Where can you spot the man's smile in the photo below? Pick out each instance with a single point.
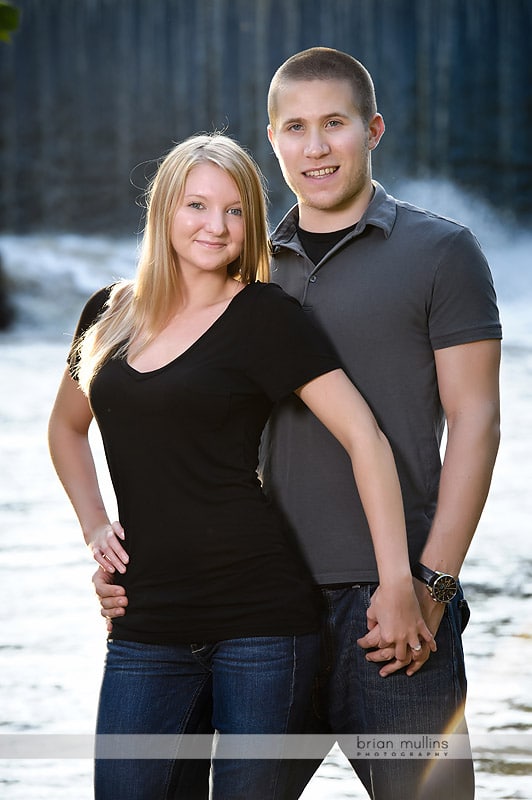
(320, 173)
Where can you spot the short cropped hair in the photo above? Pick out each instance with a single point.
(325, 64)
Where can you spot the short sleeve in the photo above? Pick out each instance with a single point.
(90, 313)
(287, 349)
(464, 304)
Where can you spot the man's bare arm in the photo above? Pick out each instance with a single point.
(468, 380)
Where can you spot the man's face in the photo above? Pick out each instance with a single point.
(323, 148)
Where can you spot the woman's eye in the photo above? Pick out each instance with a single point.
(237, 212)
(195, 204)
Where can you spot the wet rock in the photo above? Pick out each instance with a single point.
(6, 309)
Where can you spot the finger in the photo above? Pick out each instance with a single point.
(384, 654)
(402, 652)
(419, 657)
(113, 544)
(104, 584)
(392, 666)
(114, 560)
(110, 592)
(428, 637)
(417, 662)
(371, 618)
(118, 529)
(111, 613)
(115, 552)
(369, 640)
(105, 562)
(109, 603)
(111, 560)
(415, 666)
(374, 638)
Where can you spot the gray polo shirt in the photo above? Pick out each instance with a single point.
(403, 283)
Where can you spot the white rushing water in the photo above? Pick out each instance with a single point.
(51, 636)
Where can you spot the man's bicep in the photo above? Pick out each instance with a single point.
(468, 375)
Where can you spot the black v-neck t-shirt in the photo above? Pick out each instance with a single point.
(210, 557)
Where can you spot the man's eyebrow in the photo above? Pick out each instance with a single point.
(329, 114)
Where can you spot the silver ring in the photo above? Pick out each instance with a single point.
(104, 555)
(417, 648)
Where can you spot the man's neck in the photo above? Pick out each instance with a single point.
(326, 220)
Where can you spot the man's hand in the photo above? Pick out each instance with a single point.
(414, 658)
(112, 597)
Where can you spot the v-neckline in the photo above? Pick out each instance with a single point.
(146, 373)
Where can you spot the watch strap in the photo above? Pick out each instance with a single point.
(423, 573)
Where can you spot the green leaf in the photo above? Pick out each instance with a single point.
(9, 20)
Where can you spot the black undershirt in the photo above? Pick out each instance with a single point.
(317, 245)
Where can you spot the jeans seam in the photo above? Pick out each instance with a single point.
(186, 718)
(325, 657)
(275, 782)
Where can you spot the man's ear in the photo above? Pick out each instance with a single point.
(271, 137)
(376, 129)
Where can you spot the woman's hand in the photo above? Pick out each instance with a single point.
(397, 630)
(105, 544)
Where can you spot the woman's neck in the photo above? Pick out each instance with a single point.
(205, 291)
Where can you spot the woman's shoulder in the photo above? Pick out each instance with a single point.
(100, 297)
(270, 308)
(271, 293)
(95, 306)
(109, 295)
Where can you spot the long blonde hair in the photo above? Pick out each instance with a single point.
(138, 309)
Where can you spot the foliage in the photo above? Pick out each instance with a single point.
(9, 20)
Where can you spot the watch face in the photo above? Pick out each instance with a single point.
(444, 588)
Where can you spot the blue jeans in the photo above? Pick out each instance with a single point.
(239, 686)
(351, 697)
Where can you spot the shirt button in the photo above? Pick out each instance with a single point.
(313, 279)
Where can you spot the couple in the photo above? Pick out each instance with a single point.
(183, 366)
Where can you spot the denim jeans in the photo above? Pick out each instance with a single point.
(351, 697)
(252, 685)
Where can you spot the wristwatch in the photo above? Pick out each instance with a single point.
(442, 587)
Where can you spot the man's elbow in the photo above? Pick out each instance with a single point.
(481, 422)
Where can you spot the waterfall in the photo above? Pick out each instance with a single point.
(93, 91)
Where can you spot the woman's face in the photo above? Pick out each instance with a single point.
(207, 230)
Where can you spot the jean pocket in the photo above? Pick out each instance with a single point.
(465, 613)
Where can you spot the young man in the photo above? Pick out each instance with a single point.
(406, 298)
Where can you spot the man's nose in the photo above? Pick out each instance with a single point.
(316, 145)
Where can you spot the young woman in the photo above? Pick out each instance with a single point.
(180, 368)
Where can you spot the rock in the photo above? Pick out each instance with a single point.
(6, 310)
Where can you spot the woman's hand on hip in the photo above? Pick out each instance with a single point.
(105, 542)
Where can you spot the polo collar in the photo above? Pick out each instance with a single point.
(381, 213)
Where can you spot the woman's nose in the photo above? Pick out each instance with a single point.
(216, 222)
